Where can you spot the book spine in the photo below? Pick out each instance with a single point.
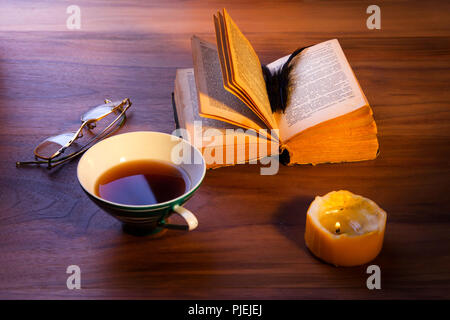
(175, 113)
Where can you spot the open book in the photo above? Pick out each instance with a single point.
(225, 104)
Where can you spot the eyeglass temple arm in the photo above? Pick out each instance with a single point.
(80, 130)
(125, 101)
(98, 137)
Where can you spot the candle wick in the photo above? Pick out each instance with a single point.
(337, 227)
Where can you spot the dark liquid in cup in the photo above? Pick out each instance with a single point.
(142, 182)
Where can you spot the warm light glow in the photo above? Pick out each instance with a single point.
(337, 226)
(333, 211)
(344, 229)
(355, 216)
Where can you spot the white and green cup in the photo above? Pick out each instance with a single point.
(142, 145)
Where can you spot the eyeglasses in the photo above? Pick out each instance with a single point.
(99, 122)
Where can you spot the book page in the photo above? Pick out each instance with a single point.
(224, 58)
(188, 107)
(246, 69)
(185, 87)
(214, 100)
(322, 86)
(237, 145)
(226, 72)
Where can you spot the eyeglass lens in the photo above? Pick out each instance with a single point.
(47, 148)
(50, 146)
(99, 112)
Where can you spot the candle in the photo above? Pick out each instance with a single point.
(344, 229)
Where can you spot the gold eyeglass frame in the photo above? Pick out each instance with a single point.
(89, 123)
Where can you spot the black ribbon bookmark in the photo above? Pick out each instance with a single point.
(277, 83)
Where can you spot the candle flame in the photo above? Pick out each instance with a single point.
(337, 226)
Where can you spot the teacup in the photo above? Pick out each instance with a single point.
(142, 145)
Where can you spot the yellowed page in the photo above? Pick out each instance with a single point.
(222, 47)
(226, 72)
(322, 86)
(214, 100)
(246, 69)
(212, 133)
(188, 107)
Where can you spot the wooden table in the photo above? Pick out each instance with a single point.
(249, 243)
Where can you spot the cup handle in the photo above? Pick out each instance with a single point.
(191, 220)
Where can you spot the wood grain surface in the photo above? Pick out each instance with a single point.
(249, 243)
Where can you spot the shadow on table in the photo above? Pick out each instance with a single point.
(291, 218)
